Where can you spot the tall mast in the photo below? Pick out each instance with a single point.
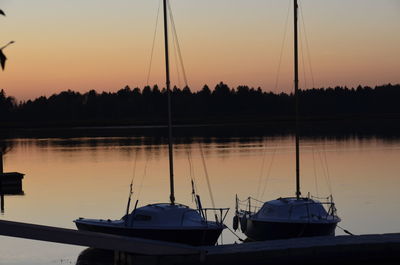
(296, 95)
(168, 85)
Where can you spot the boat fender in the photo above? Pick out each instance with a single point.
(235, 222)
(243, 224)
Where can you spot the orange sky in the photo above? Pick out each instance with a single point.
(105, 45)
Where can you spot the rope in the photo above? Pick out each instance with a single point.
(321, 198)
(251, 198)
(240, 239)
(177, 43)
(346, 231)
(154, 41)
(282, 46)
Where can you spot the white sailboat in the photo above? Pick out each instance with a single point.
(169, 221)
(293, 216)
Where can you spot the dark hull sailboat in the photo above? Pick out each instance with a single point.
(288, 217)
(170, 222)
(261, 230)
(163, 222)
(191, 236)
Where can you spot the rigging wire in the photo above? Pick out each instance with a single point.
(315, 172)
(189, 156)
(261, 172)
(134, 166)
(282, 47)
(176, 61)
(154, 41)
(307, 45)
(303, 59)
(327, 171)
(207, 177)
(171, 17)
(143, 177)
(131, 185)
(191, 172)
(324, 170)
(268, 172)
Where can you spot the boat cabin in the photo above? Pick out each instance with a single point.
(292, 209)
(164, 214)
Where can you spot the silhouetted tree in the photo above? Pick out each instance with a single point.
(221, 104)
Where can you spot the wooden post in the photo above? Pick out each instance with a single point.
(2, 202)
(1, 162)
(1, 183)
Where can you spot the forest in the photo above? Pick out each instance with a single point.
(218, 105)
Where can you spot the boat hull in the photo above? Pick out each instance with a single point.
(265, 230)
(189, 236)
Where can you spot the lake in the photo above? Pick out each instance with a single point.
(67, 178)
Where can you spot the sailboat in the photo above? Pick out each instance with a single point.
(288, 217)
(169, 221)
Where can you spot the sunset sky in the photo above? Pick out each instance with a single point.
(105, 45)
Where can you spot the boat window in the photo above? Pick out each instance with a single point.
(268, 210)
(141, 217)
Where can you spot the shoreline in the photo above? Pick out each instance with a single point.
(386, 126)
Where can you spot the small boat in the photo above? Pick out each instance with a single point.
(170, 221)
(163, 221)
(287, 217)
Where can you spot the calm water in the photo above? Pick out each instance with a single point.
(89, 177)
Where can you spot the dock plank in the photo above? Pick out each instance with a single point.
(94, 240)
(364, 249)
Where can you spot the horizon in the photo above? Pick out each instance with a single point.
(108, 47)
(212, 89)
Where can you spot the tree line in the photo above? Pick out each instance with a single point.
(223, 103)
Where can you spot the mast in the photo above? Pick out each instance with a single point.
(168, 86)
(296, 95)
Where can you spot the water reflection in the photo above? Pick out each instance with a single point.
(92, 256)
(90, 176)
(10, 182)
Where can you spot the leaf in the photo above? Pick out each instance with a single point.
(3, 59)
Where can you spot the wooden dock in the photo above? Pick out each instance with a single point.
(365, 249)
(94, 240)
